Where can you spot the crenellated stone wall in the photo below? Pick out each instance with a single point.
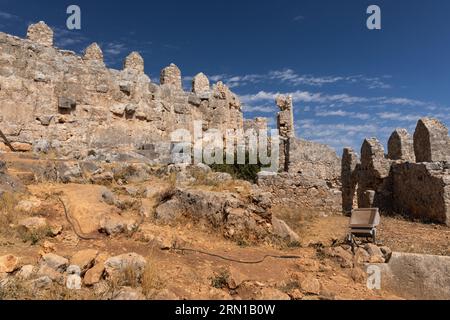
(416, 184)
(77, 106)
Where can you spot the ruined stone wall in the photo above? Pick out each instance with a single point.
(302, 193)
(74, 103)
(309, 178)
(422, 190)
(395, 182)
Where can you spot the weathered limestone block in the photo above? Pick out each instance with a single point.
(200, 84)
(286, 116)
(349, 178)
(286, 128)
(315, 161)
(93, 53)
(374, 175)
(66, 104)
(401, 146)
(431, 141)
(135, 62)
(171, 75)
(257, 124)
(40, 33)
(417, 276)
(422, 191)
(373, 158)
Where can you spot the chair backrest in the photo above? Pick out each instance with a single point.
(365, 218)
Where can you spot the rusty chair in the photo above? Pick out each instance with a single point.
(364, 223)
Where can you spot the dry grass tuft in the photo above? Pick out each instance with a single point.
(8, 214)
(151, 279)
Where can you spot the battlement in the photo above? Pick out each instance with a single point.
(76, 103)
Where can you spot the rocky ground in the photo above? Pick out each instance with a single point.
(119, 237)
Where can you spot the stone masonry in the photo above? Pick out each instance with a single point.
(416, 184)
(77, 106)
(401, 146)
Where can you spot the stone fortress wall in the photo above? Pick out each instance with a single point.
(412, 179)
(54, 98)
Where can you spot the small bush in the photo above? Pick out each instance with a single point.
(220, 280)
(35, 236)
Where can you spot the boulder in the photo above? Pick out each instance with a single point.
(55, 262)
(84, 259)
(22, 147)
(9, 263)
(26, 272)
(73, 281)
(169, 211)
(344, 257)
(127, 293)
(282, 230)
(41, 283)
(29, 206)
(115, 224)
(118, 109)
(131, 261)
(417, 276)
(33, 224)
(310, 285)
(95, 274)
(271, 294)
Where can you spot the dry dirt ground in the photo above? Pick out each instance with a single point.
(188, 275)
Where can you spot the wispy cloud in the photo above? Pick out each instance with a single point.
(261, 109)
(333, 99)
(292, 78)
(8, 16)
(342, 113)
(298, 18)
(115, 48)
(72, 39)
(303, 96)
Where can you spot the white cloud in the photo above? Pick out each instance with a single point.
(303, 96)
(341, 113)
(67, 38)
(115, 48)
(334, 100)
(262, 109)
(8, 16)
(290, 77)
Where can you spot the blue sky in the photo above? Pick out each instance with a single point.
(348, 82)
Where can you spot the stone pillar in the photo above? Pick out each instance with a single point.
(374, 174)
(93, 53)
(431, 141)
(286, 116)
(40, 33)
(349, 179)
(134, 62)
(171, 75)
(286, 129)
(200, 84)
(400, 146)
